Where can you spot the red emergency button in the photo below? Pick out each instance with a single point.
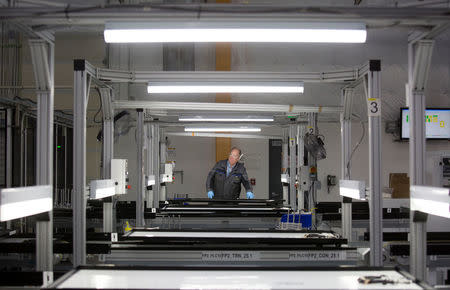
(128, 187)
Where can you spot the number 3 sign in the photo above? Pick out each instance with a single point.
(373, 107)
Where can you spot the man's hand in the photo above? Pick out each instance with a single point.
(210, 194)
(250, 195)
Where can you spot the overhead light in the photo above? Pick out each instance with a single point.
(224, 87)
(225, 119)
(355, 189)
(432, 200)
(102, 188)
(223, 129)
(21, 202)
(236, 31)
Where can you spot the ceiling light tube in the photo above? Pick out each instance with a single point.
(236, 31)
(355, 189)
(225, 119)
(432, 200)
(224, 87)
(223, 129)
(21, 202)
(102, 188)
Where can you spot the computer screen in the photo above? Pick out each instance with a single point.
(437, 123)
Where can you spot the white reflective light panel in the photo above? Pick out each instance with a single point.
(102, 188)
(20, 202)
(236, 31)
(231, 279)
(224, 87)
(432, 200)
(222, 129)
(352, 188)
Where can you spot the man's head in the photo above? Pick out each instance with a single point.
(235, 155)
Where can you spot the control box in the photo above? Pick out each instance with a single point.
(119, 174)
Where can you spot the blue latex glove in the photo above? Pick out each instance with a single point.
(250, 195)
(210, 194)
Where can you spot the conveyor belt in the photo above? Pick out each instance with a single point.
(231, 278)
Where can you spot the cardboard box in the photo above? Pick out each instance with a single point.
(399, 182)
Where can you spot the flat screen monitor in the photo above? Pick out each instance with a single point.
(437, 123)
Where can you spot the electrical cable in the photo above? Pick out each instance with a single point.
(357, 144)
(99, 109)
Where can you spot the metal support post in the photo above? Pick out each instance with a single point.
(373, 84)
(43, 55)
(346, 139)
(9, 143)
(284, 167)
(300, 164)
(419, 56)
(163, 154)
(292, 166)
(156, 164)
(108, 153)
(81, 96)
(148, 163)
(312, 162)
(140, 169)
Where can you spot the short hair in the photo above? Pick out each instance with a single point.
(236, 148)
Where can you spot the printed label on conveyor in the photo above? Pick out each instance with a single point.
(318, 256)
(230, 256)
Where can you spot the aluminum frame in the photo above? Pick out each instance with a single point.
(346, 139)
(292, 166)
(106, 96)
(373, 85)
(140, 186)
(419, 61)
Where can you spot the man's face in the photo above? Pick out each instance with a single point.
(234, 157)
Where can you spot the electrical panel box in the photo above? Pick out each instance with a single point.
(119, 174)
(305, 179)
(167, 176)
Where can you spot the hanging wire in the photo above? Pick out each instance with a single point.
(357, 144)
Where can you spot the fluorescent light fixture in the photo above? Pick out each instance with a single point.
(225, 119)
(223, 129)
(432, 200)
(355, 189)
(102, 188)
(20, 202)
(234, 31)
(186, 87)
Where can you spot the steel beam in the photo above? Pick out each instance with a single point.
(375, 202)
(43, 55)
(98, 15)
(123, 76)
(419, 57)
(224, 107)
(140, 191)
(81, 94)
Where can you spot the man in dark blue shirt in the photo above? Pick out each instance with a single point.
(225, 178)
